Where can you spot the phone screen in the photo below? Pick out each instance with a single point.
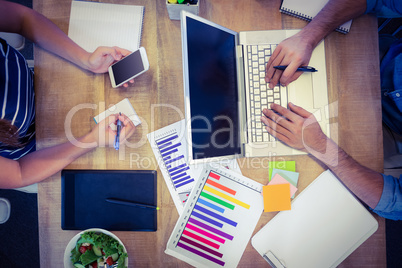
(127, 67)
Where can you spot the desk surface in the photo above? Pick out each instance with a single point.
(64, 92)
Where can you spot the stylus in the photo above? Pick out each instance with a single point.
(130, 203)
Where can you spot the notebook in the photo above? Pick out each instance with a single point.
(94, 24)
(307, 10)
(325, 225)
(218, 95)
(84, 205)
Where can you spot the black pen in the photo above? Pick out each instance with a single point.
(300, 69)
(130, 203)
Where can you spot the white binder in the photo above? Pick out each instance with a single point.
(326, 224)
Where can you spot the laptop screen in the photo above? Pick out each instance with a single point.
(212, 90)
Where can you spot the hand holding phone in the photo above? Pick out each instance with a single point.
(129, 67)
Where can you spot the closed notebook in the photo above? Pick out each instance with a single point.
(307, 10)
(325, 225)
(84, 205)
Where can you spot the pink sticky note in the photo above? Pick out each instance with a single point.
(278, 179)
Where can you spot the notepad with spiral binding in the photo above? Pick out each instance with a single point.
(307, 10)
(94, 24)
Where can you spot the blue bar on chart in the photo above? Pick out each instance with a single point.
(174, 161)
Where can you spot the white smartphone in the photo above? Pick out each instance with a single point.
(129, 67)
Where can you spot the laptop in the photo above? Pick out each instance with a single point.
(225, 90)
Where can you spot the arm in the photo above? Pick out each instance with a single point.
(301, 131)
(296, 51)
(41, 164)
(40, 30)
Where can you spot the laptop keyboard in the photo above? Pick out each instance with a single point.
(260, 95)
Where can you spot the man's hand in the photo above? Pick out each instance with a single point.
(295, 127)
(294, 51)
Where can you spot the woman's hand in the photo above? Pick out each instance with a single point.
(104, 135)
(100, 60)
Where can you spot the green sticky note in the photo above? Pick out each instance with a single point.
(284, 165)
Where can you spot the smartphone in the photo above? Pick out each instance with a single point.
(129, 67)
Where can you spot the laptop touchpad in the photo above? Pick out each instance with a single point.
(300, 92)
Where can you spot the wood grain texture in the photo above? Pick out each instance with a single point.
(65, 93)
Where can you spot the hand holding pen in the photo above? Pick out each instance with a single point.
(124, 129)
(294, 53)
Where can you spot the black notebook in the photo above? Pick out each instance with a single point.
(84, 205)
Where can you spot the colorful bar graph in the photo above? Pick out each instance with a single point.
(221, 209)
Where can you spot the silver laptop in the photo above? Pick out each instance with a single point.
(225, 90)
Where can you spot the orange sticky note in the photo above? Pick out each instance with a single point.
(278, 179)
(276, 197)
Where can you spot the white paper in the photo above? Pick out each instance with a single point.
(95, 24)
(179, 188)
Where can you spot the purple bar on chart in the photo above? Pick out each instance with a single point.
(210, 228)
(211, 221)
(184, 183)
(175, 168)
(215, 215)
(182, 179)
(174, 159)
(167, 139)
(179, 171)
(201, 254)
(165, 145)
(178, 176)
(198, 245)
(170, 147)
(168, 153)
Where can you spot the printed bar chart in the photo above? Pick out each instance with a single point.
(174, 163)
(218, 219)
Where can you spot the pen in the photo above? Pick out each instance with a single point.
(300, 69)
(130, 203)
(117, 138)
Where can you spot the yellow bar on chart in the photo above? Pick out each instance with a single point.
(227, 197)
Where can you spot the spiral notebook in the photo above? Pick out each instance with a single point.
(94, 24)
(307, 10)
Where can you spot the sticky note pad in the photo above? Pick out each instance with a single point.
(284, 165)
(278, 179)
(276, 197)
(290, 176)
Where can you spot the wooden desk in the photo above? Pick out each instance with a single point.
(65, 92)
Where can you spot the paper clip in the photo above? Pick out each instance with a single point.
(273, 260)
